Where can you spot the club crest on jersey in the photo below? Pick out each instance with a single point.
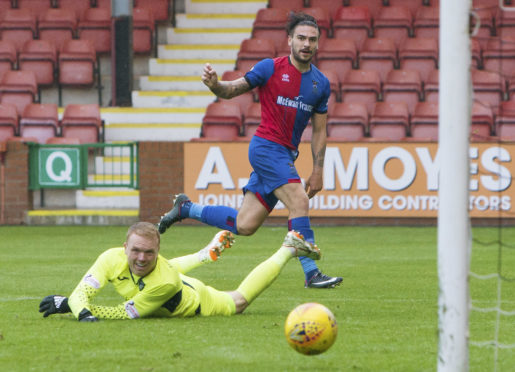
(286, 78)
(315, 86)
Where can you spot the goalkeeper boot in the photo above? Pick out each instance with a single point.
(223, 239)
(174, 215)
(320, 280)
(302, 247)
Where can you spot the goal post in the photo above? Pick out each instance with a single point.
(454, 236)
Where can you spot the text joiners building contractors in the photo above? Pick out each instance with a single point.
(361, 179)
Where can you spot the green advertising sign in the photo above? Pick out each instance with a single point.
(59, 167)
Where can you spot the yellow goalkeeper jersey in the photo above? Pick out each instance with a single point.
(165, 292)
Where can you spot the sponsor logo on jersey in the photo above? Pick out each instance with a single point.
(295, 103)
(131, 310)
(92, 281)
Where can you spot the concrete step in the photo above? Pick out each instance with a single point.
(105, 217)
(227, 6)
(109, 179)
(111, 198)
(226, 35)
(172, 98)
(190, 83)
(154, 131)
(151, 115)
(198, 51)
(237, 20)
(187, 67)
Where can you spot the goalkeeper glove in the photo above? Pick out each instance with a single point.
(86, 316)
(54, 304)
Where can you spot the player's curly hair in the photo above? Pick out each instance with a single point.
(298, 18)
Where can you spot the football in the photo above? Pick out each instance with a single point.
(311, 328)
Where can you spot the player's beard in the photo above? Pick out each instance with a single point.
(303, 60)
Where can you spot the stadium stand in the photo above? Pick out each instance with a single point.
(40, 57)
(36, 6)
(18, 88)
(389, 121)
(505, 121)
(63, 141)
(334, 82)
(252, 51)
(95, 25)
(426, 22)
(82, 121)
(412, 5)
(8, 121)
(487, 26)
(78, 6)
(222, 120)
(323, 20)
(424, 122)
(419, 54)
(393, 22)
(159, 9)
(330, 6)
(378, 54)
(499, 56)
(296, 5)
(431, 87)
(372, 5)
(403, 86)
(40, 121)
(143, 31)
(18, 26)
(57, 25)
(361, 86)
(4, 5)
(269, 24)
(348, 121)
(251, 119)
(8, 56)
(339, 55)
(482, 124)
(353, 22)
(489, 88)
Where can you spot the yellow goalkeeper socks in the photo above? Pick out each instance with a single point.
(264, 274)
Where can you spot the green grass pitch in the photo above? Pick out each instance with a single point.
(386, 307)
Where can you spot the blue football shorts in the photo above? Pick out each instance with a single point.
(273, 166)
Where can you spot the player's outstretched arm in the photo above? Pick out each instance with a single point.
(222, 240)
(223, 89)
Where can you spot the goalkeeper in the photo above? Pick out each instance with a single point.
(157, 287)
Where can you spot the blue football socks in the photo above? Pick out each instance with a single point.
(302, 225)
(219, 215)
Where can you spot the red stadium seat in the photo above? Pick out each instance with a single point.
(424, 122)
(5, 5)
(8, 121)
(412, 5)
(338, 55)
(482, 123)
(390, 121)
(330, 6)
(353, 22)
(419, 54)
(486, 28)
(269, 24)
(39, 56)
(95, 26)
(426, 22)
(403, 86)
(361, 86)
(393, 22)
(372, 5)
(334, 82)
(77, 63)
(57, 25)
(348, 121)
(18, 88)
(36, 6)
(78, 6)
(499, 56)
(253, 51)
(82, 121)
(18, 26)
(505, 121)
(40, 121)
(431, 87)
(489, 87)
(477, 59)
(159, 9)
(8, 57)
(378, 54)
(287, 4)
(251, 119)
(143, 30)
(222, 119)
(243, 100)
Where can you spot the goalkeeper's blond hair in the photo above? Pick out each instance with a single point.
(146, 230)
